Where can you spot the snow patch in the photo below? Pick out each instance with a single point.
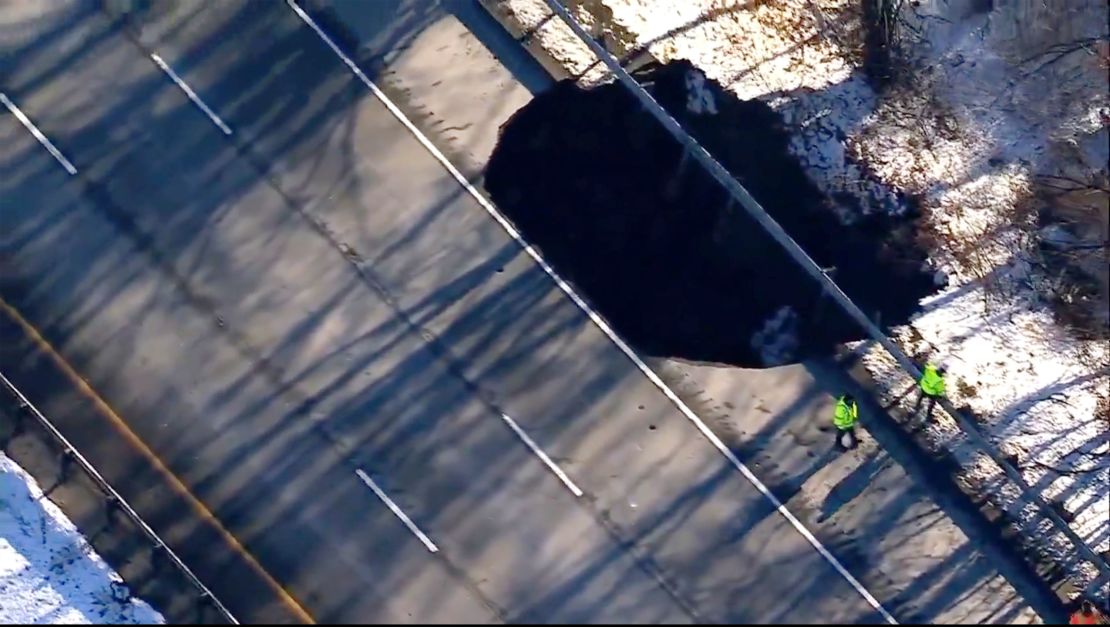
(1032, 389)
(48, 572)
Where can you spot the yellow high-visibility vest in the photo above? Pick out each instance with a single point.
(846, 414)
(932, 383)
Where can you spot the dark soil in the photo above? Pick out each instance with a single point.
(598, 186)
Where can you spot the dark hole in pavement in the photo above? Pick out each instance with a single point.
(597, 185)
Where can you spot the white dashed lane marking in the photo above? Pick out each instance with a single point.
(397, 511)
(190, 93)
(30, 126)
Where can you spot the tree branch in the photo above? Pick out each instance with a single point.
(1068, 179)
(1063, 50)
(1070, 471)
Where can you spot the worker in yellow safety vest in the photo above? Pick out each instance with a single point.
(844, 419)
(931, 386)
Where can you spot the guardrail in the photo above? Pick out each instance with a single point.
(114, 497)
(740, 195)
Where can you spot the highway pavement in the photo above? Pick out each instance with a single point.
(381, 400)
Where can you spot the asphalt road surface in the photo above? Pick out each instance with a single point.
(388, 406)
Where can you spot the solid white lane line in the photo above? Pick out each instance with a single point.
(595, 317)
(190, 93)
(396, 510)
(543, 456)
(30, 126)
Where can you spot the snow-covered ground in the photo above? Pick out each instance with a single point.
(982, 118)
(48, 571)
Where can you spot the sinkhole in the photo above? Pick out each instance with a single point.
(603, 191)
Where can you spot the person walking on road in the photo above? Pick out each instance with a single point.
(931, 386)
(844, 419)
(1086, 615)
